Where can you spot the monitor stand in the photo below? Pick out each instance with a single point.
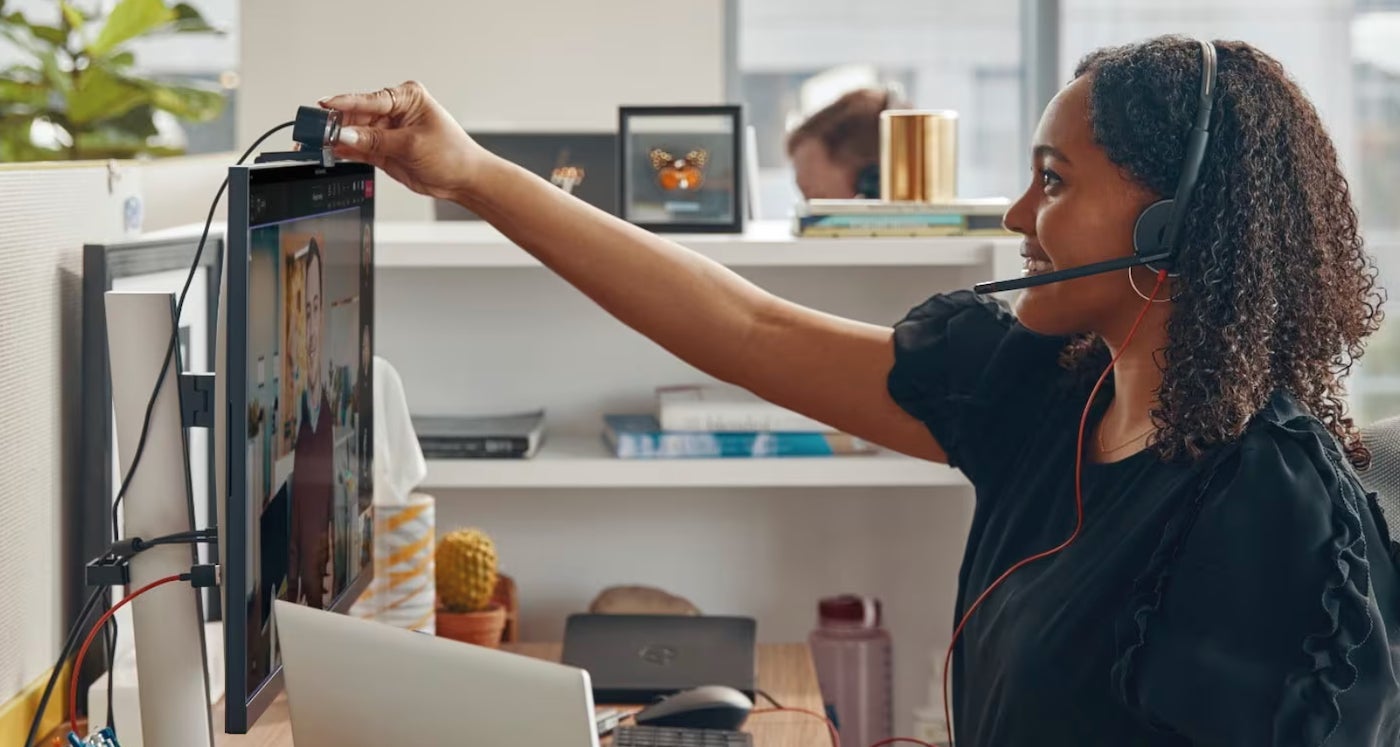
(168, 622)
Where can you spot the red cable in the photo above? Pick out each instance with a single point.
(830, 727)
(1078, 508)
(92, 635)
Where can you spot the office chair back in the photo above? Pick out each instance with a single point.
(1383, 476)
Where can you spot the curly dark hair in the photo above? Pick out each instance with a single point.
(1275, 291)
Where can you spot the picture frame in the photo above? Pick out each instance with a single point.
(582, 163)
(681, 169)
(143, 264)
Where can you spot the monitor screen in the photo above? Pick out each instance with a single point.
(300, 335)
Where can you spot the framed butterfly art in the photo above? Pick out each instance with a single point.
(680, 168)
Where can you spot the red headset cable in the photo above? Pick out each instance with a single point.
(1078, 509)
(92, 635)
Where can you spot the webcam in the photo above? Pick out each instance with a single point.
(316, 132)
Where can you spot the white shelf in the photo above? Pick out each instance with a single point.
(568, 461)
(467, 244)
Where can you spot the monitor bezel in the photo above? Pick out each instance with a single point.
(242, 710)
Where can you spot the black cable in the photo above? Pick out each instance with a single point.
(68, 645)
(165, 369)
(175, 335)
(195, 537)
(111, 642)
(769, 698)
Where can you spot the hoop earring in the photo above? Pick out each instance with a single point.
(1133, 282)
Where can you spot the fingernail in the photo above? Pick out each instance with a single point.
(349, 136)
(322, 101)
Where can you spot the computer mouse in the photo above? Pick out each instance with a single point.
(708, 707)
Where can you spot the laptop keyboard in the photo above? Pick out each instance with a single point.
(665, 736)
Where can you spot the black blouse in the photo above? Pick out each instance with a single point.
(1249, 598)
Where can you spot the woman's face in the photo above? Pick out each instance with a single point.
(313, 320)
(818, 175)
(1080, 208)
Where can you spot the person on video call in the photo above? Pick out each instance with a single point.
(1231, 584)
(835, 152)
(313, 476)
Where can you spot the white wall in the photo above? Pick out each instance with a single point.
(178, 191)
(539, 64)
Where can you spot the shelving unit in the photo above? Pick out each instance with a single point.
(569, 461)
(474, 244)
(474, 324)
(498, 317)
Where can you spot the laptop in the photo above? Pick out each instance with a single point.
(358, 683)
(639, 658)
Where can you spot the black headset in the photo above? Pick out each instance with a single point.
(1158, 228)
(867, 180)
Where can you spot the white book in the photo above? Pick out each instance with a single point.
(719, 407)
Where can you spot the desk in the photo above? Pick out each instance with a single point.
(784, 670)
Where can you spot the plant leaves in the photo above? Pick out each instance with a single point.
(188, 19)
(139, 122)
(130, 19)
(71, 15)
(55, 76)
(101, 95)
(187, 102)
(121, 59)
(15, 142)
(111, 143)
(19, 93)
(51, 34)
(15, 27)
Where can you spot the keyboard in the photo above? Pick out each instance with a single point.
(666, 736)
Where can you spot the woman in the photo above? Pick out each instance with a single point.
(836, 152)
(1231, 585)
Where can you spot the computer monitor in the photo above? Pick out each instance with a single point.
(299, 330)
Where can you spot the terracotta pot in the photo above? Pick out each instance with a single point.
(481, 628)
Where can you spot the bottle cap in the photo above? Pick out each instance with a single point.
(851, 609)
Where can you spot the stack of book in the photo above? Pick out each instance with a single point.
(721, 421)
(510, 436)
(861, 218)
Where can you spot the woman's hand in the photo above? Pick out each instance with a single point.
(408, 135)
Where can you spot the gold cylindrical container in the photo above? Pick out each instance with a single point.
(918, 155)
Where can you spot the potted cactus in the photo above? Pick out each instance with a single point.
(466, 581)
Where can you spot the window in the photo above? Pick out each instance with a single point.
(960, 56)
(1345, 58)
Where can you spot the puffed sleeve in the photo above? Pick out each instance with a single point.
(966, 369)
(1259, 621)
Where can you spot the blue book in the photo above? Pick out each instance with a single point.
(641, 437)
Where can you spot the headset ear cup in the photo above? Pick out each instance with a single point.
(1151, 229)
(867, 184)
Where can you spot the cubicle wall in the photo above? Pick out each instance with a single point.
(47, 212)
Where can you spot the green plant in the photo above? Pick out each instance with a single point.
(79, 77)
(466, 570)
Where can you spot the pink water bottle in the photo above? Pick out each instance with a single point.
(854, 657)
